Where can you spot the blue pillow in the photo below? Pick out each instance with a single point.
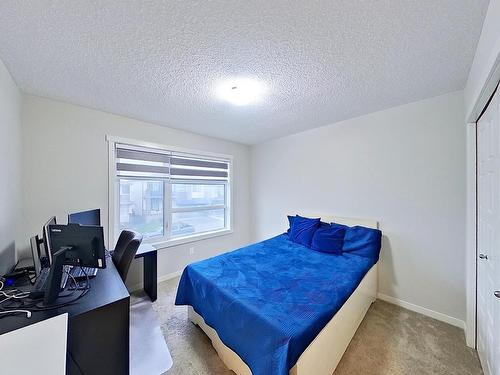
(290, 221)
(303, 229)
(365, 242)
(329, 238)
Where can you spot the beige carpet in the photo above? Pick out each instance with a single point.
(391, 340)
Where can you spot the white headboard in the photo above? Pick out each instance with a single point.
(340, 220)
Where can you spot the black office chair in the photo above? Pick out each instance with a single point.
(126, 247)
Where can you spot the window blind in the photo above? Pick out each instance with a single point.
(142, 162)
(197, 168)
(132, 161)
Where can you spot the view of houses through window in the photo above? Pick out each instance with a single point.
(197, 208)
(194, 207)
(141, 206)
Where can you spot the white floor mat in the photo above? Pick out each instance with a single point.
(149, 354)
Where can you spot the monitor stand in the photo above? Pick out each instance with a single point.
(55, 276)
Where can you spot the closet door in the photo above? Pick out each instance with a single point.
(488, 250)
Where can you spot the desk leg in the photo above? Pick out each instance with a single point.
(150, 275)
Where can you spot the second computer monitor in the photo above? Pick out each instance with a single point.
(90, 217)
(84, 244)
(45, 236)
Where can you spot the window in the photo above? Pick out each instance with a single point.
(168, 195)
(197, 207)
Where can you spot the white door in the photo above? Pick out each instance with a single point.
(488, 263)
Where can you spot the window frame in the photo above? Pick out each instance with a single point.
(166, 240)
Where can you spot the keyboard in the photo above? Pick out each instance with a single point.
(80, 273)
(41, 280)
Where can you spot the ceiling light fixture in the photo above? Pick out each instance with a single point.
(241, 91)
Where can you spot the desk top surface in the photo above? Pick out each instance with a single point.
(144, 249)
(106, 288)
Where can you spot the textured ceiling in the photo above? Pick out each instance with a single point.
(160, 61)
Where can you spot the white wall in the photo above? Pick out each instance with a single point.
(66, 169)
(486, 64)
(10, 168)
(404, 167)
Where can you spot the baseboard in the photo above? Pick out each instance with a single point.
(166, 277)
(169, 276)
(422, 310)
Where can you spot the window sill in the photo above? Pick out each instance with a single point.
(187, 239)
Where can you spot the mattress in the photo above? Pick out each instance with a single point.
(269, 300)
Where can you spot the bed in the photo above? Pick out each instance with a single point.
(276, 307)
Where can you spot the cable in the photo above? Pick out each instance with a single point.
(6, 299)
(15, 296)
(86, 276)
(34, 304)
(75, 283)
(84, 292)
(20, 301)
(9, 312)
(20, 294)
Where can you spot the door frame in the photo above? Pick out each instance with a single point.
(471, 225)
(471, 235)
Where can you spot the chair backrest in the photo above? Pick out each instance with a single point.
(126, 247)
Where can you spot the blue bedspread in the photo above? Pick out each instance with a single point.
(269, 300)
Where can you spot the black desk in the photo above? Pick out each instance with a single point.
(150, 273)
(98, 326)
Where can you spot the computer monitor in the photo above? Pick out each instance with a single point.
(90, 217)
(85, 244)
(35, 252)
(45, 236)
